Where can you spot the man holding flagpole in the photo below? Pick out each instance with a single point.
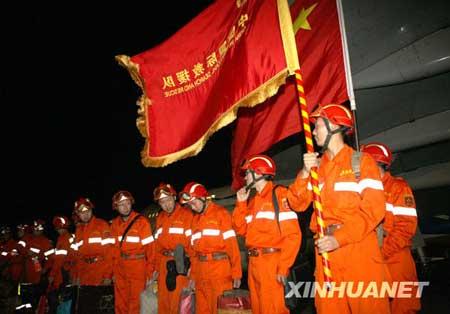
(351, 209)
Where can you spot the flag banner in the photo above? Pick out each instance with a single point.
(318, 38)
(233, 54)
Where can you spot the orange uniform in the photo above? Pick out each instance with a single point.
(257, 222)
(171, 230)
(60, 259)
(38, 260)
(399, 227)
(10, 254)
(133, 261)
(94, 256)
(355, 208)
(217, 258)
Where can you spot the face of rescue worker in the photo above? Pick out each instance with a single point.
(196, 205)
(60, 230)
(249, 177)
(320, 131)
(85, 216)
(167, 204)
(124, 207)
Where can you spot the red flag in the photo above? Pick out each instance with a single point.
(319, 47)
(235, 53)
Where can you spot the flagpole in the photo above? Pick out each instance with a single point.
(348, 72)
(317, 202)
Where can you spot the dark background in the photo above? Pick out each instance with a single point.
(68, 108)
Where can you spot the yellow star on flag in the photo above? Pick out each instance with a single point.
(302, 19)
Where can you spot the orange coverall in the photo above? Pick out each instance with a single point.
(133, 262)
(171, 229)
(39, 254)
(93, 252)
(10, 254)
(60, 259)
(212, 232)
(358, 206)
(256, 221)
(399, 226)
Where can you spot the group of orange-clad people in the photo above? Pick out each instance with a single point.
(194, 244)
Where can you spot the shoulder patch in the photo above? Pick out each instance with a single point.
(409, 200)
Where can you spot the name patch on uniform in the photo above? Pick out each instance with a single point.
(346, 172)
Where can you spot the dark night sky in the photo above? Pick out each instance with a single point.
(69, 109)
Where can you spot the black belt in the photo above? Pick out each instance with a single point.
(132, 256)
(212, 256)
(259, 251)
(92, 260)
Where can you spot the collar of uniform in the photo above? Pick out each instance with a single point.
(386, 177)
(341, 156)
(130, 217)
(267, 189)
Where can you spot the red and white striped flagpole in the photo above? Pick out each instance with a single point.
(314, 176)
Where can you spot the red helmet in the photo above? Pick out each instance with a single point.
(120, 196)
(163, 190)
(60, 222)
(260, 164)
(192, 190)
(83, 204)
(336, 114)
(380, 152)
(38, 225)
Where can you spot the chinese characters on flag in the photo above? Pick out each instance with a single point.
(234, 54)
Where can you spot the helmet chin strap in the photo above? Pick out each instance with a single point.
(330, 134)
(251, 185)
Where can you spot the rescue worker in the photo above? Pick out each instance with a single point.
(93, 265)
(40, 250)
(59, 272)
(71, 259)
(133, 254)
(24, 234)
(272, 242)
(215, 256)
(22, 231)
(352, 209)
(10, 270)
(38, 262)
(173, 228)
(399, 227)
(10, 258)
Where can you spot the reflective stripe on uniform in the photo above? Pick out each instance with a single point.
(95, 240)
(228, 234)
(287, 216)
(147, 240)
(49, 252)
(265, 215)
